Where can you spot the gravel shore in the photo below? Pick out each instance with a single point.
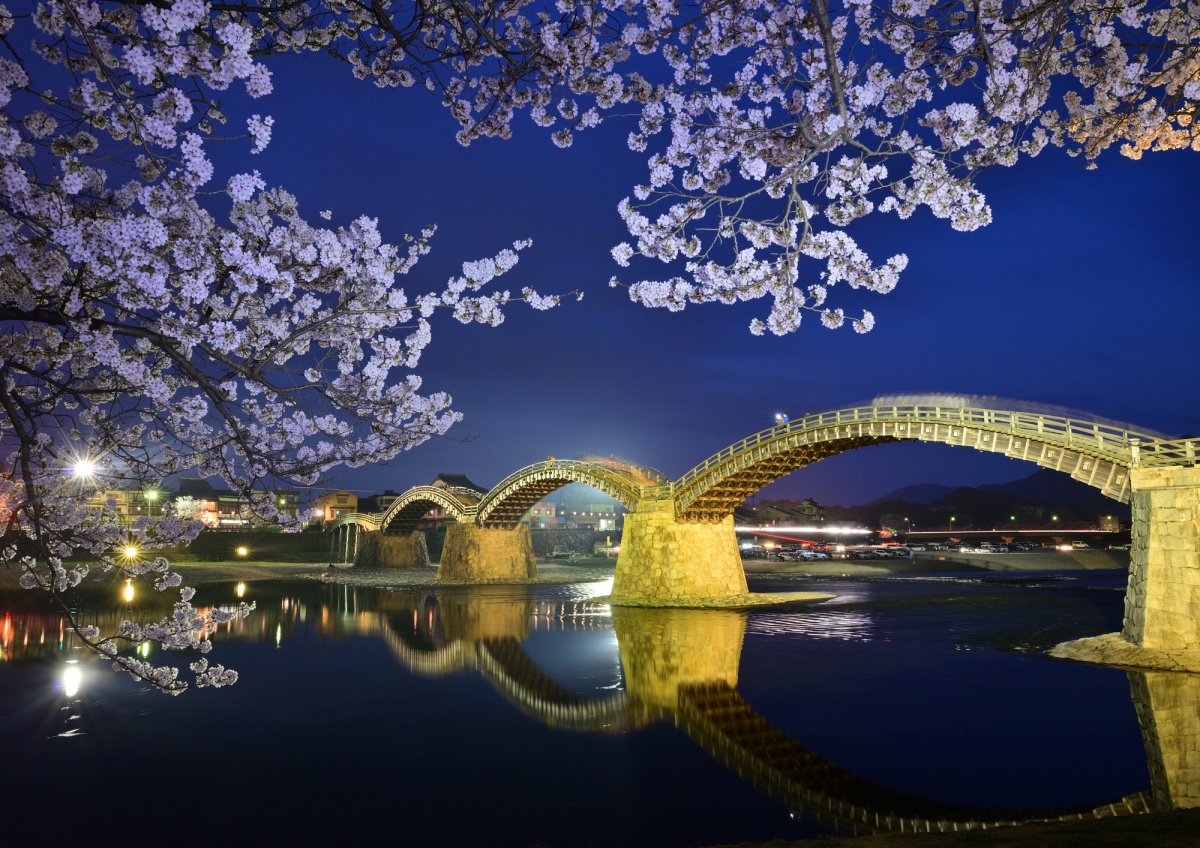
(589, 569)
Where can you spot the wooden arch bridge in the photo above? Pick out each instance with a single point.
(679, 548)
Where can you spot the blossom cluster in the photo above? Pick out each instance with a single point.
(771, 126)
(160, 318)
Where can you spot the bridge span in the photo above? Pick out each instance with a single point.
(678, 547)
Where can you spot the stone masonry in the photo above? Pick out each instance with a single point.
(1162, 604)
(378, 550)
(678, 563)
(482, 555)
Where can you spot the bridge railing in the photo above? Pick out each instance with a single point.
(1169, 452)
(572, 465)
(464, 492)
(355, 518)
(1104, 439)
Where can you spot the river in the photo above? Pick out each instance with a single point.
(526, 716)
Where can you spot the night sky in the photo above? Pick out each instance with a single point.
(1082, 293)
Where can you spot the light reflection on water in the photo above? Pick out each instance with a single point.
(892, 689)
(831, 624)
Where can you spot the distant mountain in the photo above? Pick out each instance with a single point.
(1042, 488)
(921, 493)
(1047, 487)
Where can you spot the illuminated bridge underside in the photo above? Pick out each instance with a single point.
(715, 488)
(405, 513)
(723, 488)
(509, 500)
(717, 718)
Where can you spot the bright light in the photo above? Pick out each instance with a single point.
(836, 531)
(241, 590)
(84, 468)
(152, 495)
(242, 551)
(71, 680)
(128, 590)
(131, 552)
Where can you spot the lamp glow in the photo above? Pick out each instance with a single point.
(84, 468)
(71, 679)
(128, 590)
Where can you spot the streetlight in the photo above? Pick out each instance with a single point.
(242, 550)
(84, 469)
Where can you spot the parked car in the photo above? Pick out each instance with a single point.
(1080, 546)
(1123, 546)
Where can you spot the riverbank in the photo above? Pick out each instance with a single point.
(596, 568)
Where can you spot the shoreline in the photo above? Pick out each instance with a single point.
(595, 569)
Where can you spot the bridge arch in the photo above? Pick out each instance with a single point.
(406, 512)
(513, 496)
(1097, 453)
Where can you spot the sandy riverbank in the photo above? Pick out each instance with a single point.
(589, 569)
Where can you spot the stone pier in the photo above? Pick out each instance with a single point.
(669, 563)
(1162, 603)
(378, 550)
(482, 555)
(665, 562)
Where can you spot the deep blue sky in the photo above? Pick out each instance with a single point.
(1082, 293)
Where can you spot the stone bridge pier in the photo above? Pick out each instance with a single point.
(1162, 602)
(666, 562)
(376, 549)
(475, 554)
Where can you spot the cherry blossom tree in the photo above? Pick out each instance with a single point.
(161, 318)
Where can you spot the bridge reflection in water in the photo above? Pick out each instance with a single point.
(681, 666)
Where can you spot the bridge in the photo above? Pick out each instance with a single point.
(678, 547)
(681, 667)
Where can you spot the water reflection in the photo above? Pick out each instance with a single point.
(678, 668)
(1168, 710)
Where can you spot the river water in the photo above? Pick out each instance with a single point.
(526, 716)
